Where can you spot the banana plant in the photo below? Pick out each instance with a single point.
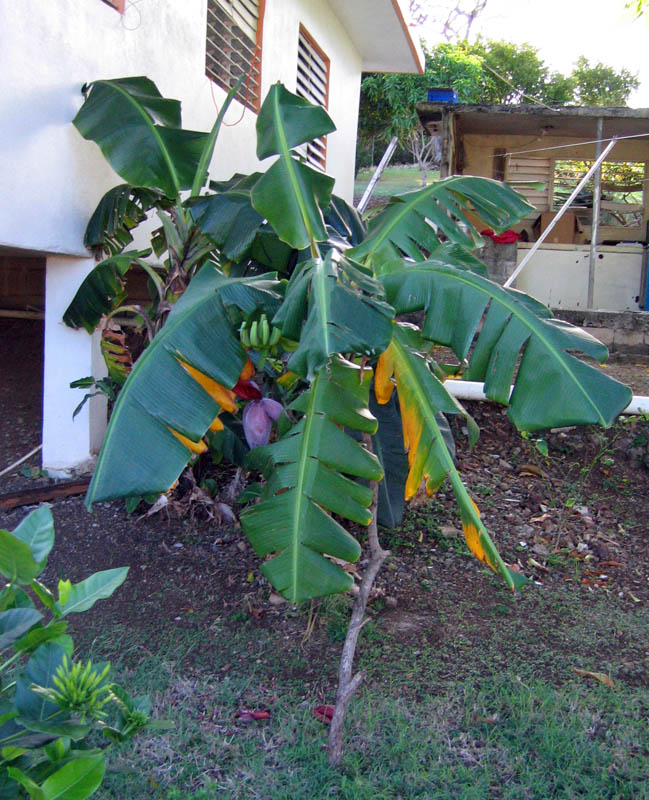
(342, 346)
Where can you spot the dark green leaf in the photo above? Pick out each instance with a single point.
(120, 210)
(551, 387)
(39, 670)
(15, 622)
(101, 291)
(306, 480)
(139, 134)
(344, 310)
(140, 454)
(411, 223)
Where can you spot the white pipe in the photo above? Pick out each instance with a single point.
(558, 215)
(474, 390)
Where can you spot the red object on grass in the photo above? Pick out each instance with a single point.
(508, 237)
(251, 716)
(324, 713)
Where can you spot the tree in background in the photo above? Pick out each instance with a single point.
(482, 72)
(601, 85)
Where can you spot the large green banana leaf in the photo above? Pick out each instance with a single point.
(305, 481)
(290, 195)
(552, 388)
(102, 290)
(230, 221)
(411, 222)
(177, 387)
(333, 306)
(120, 210)
(421, 397)
(139, 134)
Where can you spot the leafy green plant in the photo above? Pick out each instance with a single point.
(50, 703)
(338, 455)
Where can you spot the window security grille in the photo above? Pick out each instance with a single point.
(313, 85)
(233, 46)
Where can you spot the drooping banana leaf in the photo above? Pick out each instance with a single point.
(345, 221)
(120, 210)
(387, 444)
(177, 387)
(290, 194)
(333, 306)
(305, 482)
(139, 134)
(102, 290)
(412, 223)
(552, 388)
(421, 397)
(230, 221)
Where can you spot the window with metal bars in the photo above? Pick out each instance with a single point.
(313, 85)
(233, 46)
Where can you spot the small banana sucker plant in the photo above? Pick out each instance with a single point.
(314, 300)
(50, 702)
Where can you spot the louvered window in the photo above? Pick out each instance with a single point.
(532, 171)
(233, 46)
(313, 85)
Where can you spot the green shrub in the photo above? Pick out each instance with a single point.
(50, 703)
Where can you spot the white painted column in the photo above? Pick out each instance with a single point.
(69, 446)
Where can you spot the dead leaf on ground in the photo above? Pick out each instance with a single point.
(602, 677)
(530, 471)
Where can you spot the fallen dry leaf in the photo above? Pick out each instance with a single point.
(530, 470)
(598, 676)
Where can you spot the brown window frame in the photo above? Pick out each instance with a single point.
(252, 67)
(315, 157)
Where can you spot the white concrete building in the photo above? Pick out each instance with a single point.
(53, 179)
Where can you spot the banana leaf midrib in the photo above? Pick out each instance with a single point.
(290, 168)
(423, 400)
(147, 120)
(397, 218)
(301, 479)
(424, 408)
(530, 322)
(324, 302)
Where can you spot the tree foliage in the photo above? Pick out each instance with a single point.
(485, 71)
(601, 85)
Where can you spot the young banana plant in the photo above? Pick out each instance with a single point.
(343, 344)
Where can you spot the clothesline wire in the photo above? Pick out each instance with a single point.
(573, 144)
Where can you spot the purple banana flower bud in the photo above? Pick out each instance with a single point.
(272, 408)
(256, 424)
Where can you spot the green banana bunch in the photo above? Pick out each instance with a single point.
(259, 334)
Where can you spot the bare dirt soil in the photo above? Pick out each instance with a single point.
(574, 521)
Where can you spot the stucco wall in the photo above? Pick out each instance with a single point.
(52, 179)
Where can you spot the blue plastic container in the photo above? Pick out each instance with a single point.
(439, 95)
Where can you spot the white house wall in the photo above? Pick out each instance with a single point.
(53, 179)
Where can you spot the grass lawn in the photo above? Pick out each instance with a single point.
(395, 180)
(502, 734)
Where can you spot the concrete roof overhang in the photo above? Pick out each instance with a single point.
(380, 32)
(571, 121)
